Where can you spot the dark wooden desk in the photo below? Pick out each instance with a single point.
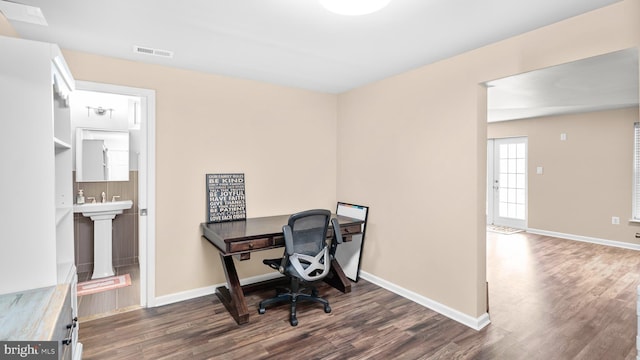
(241, 238)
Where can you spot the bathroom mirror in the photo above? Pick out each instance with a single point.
(102, 155)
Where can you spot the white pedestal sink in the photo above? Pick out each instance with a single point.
(102, 215)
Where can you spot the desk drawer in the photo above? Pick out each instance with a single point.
(250, 245)
(347, 231)
(351, 230)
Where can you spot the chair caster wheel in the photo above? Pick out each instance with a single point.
(294, 321)
(327, 309)
(261, 311)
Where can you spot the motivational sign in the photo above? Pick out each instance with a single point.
(225, 197)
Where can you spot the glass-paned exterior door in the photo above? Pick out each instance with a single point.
(508, 183)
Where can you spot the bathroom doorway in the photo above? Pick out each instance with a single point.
(108, 109)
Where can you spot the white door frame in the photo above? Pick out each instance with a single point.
(146, 183)
(489, 212)
(492, 179)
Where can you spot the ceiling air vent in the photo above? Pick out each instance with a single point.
(153, 52)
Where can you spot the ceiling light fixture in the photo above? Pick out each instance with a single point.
(354, 7)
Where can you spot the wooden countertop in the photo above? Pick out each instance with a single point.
(31, 315)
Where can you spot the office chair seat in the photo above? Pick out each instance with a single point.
(306, 259)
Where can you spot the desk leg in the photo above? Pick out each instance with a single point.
(337, 278)
(233, 298)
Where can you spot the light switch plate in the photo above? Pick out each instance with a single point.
(539, 170)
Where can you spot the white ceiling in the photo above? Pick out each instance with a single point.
(292, 42)
(603, 82)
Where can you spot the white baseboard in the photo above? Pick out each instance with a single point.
(208, 290)
(474, 323)
(588, 239)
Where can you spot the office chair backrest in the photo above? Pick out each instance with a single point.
(305, 238)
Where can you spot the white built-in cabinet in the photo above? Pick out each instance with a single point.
(36, 199)
(36, 245)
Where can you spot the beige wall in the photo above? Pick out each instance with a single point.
(5, 27)
(586, 179)
(412, 147)
(420, 155)
(282, 139)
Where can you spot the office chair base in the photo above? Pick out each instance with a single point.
(293, 320)
(293, 299)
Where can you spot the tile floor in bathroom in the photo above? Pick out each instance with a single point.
(113, 301)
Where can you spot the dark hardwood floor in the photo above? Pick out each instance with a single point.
(549, 299)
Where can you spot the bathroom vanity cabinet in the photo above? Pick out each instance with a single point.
(36, 226)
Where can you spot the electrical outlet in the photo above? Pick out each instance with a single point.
(615, 220)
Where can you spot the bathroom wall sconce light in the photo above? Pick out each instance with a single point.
(354, 7)
(100, 111)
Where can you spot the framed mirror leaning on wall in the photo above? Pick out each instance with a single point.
(102, 155)
(349, 254)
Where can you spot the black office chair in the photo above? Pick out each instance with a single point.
(306, 258)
